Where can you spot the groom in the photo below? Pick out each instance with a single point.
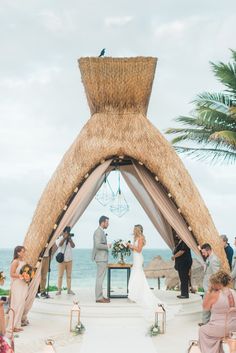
(100, 256)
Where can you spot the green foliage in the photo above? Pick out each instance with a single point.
(154, 330)
(212, 124)
(4, 291)
(79, 329)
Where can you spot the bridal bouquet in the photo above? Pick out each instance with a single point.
(121, 248)
(2, 277)
(27, 273)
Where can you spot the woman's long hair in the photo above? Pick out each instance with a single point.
(17, 250)
(138, 233)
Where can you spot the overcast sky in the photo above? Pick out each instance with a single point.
(43, 106)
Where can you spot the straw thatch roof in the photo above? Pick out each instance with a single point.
(118, 92)
(159, 268)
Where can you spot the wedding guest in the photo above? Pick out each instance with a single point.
(100, 256)
(19, 290)
(44, 271)
(220, 300)
(183, 262)
(228, 250)
(212, 265)
(65, 245)
(233, 273)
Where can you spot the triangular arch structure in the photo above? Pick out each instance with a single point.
(118, 132)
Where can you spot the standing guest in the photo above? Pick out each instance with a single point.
(228, 250)
(233, 273)
(19, 290)
(221, 301)
(65, 245)
(212, 265)
(100, 256)
(183, 262)
(44, 271)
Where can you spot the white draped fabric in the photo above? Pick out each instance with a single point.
(150, 194)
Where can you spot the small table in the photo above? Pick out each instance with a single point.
(111, 267)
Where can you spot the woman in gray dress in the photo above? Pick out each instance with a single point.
(221, 301)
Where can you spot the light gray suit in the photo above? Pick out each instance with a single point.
(212, 266)
(100, 256)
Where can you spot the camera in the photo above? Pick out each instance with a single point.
(4, 299)
(71, 235)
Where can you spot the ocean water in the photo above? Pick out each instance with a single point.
(84, 269)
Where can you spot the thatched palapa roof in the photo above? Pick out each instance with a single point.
(118, 92)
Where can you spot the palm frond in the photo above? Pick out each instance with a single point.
(220, 102)
(226, 74)
(208, 154)
(226, 137)
(233, 52)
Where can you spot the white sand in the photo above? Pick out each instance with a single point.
(110, 328)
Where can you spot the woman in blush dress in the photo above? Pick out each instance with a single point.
(221, 301)
(139, 290)
(19, 291)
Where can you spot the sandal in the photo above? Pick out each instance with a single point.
(17, 329)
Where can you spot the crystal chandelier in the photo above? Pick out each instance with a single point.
(105, 194)
(119, 205)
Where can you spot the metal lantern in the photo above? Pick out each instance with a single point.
(74, 316)
(119, 205)
(105, 194)
(160, 318)
(49, 346)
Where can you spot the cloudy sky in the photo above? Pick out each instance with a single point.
(43, 106)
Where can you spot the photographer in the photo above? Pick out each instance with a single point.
(65, 245)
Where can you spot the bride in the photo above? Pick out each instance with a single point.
(139, 290)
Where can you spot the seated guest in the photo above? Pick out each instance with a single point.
(228, 250)
(19, 290)
(221, 301)
(183, 262)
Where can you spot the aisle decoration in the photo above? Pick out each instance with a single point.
(49, 348)
(76, 326)
(154, 330)
(27, 273)
(160, 318)
(121, 249)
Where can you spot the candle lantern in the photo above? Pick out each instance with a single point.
(49, 348)
(160, 318)
(74, 316)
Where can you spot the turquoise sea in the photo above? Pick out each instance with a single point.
(84, 270)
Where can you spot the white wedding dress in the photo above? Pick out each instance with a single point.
(139, 290)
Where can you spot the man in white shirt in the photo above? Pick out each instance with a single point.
(65, 245)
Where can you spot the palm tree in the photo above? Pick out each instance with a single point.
(212, 123)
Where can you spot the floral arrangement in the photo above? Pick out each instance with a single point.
(27, 273)
(79, 329)
(2, 277)
(4, 346)
(154, 330)
(121, 248)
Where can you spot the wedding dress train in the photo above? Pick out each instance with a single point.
(139, 290)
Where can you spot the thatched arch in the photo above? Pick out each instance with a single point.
(118, 92)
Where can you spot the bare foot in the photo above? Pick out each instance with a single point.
(17, 329)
